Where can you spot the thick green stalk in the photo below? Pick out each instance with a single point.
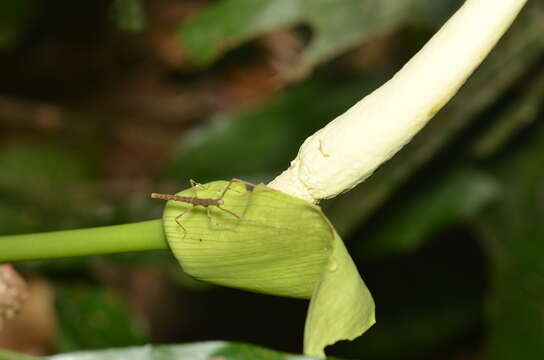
(147, 235)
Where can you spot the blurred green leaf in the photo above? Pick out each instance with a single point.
(15, 220)
(458, 197)
(271, 133)
(92, 318)
(517, 116)
(13, 16)
(340, 25)
(129, 15)
(45, 184)
(514, 237)
(337, 24)
(415, 333)
(229, 23)
(10, 355)
(27, 165)
(213, 350)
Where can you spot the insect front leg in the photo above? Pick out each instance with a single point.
(195, 185)
(179, 223)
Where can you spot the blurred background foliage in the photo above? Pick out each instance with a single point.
(102, 102)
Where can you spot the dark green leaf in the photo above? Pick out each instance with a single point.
(13, 16)
(29, 164)
(230, 23)
(340, 25)
(214, 350)
(9, 355)
(514, 233)
(271, 134)
(459, 197)
(41, 181)
(414, 333)
(337, 24)
(129, 15)
(92, 318)
(15, 220)
(517, 116)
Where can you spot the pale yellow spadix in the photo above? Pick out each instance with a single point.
(351, 147)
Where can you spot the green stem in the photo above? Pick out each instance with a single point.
(142, 236)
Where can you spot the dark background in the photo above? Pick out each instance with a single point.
(103, 102)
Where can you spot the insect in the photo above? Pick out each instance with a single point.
(204, 202)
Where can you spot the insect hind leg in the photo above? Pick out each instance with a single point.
(229, 212)
(244, 220)
(247, 183)
(210, 218)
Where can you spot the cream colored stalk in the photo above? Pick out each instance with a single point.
(349, 149)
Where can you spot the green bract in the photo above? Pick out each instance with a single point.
(277, 244)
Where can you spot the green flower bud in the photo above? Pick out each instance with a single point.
(262, 240)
